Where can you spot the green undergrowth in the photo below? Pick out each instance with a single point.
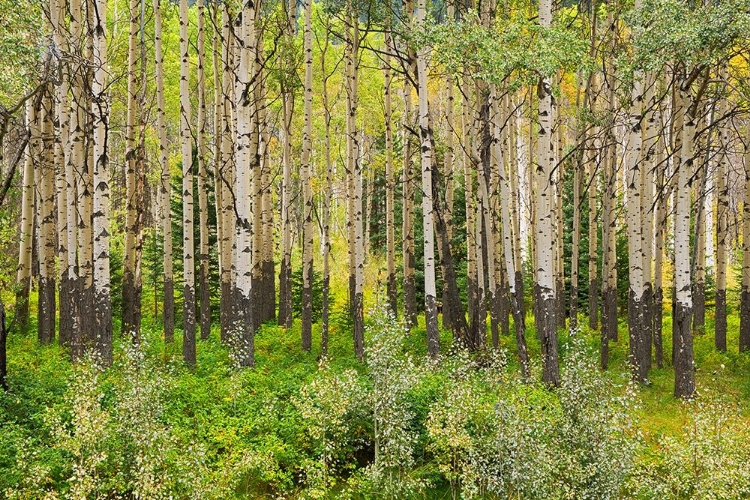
(395, 426)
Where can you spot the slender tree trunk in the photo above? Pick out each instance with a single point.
(448, 160)
(354, 171)
(131, 300)
(188, 243)
(636, 297)
(46, 221)
(27, 220)
(722, 234)
(58, 11)
(433, 335)
(390, 184)
(469, 197)
(409, 187)
(684, 369)
(514, 173)
(661, 233)
(507, 236)
(327, 198)
(546, 321)
(285, 278)
(559, 226)
(306, 174)
(744, 339)
(166, 183)
(100, 114)
(75, 172)
(204, 286)
(245, 154)
(226, 179)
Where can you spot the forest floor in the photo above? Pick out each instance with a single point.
(214, 406)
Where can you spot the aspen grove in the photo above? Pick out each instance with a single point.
(375, 249)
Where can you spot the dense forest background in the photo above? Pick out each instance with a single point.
(360, 249)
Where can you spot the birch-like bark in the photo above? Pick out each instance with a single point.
(545, 285)
(326, 201)
(65, 224)
(46, 219)
(188, 243)
(722, 233)
(408, 182)
(433, 335)
(354, 171)
(23, 277)
(165, 190)
(204, 285)
(246, 147)
(472, 292)
(131, 300)
(226, 178)
(684, 369)
(100, 114)
(744, 339)
(507, 237)
(636, 300)
(390, 183)
(307, 195)
(285, 277)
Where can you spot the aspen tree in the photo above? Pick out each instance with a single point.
(354, 172)
(390, 231)
(507, 236)
(165, 190)
(23, 277)
(514, 173)
(609, 220)
(226, 177)
(188, 244)
(46, 218)
(744, 338)
(328, 195)
(559, 167)
(660, 231)
(408, 179)
(306, 174)
(682, 334)
(433, 335)
(266, 285)
(698, 263)
(79, 238)
(100, 113)
(722, 233)
(256, 188)
(639, 344)
(205, 291)
(448, 166)
(472, 291)
(648, 153)
(65, 213)
(131, 300)
(246, 147)
(546, 321)
(287, 94)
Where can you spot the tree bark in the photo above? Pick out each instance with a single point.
(46, 220)
(684, 369)
(188, 244)
(545, 284)
(203, 281)
(722, 234)
(307, 195)
(433, 335)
